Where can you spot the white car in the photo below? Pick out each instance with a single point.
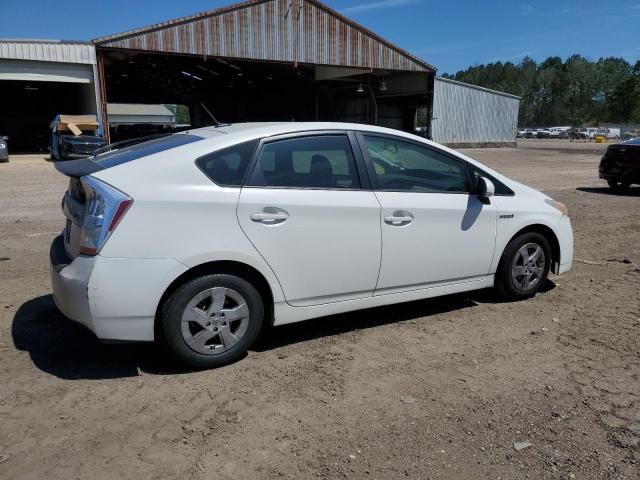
(196, 239)
(554, 132)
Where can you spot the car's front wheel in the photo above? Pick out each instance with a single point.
(618, 185)
(524, 266)
(212, 320)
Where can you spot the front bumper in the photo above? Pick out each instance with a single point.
(75, 156)
(565, 239)
(115, 298)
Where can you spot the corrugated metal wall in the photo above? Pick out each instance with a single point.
(44, 51)
(277, 30)
(467, 114)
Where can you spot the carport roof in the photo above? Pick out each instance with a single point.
(304, 31)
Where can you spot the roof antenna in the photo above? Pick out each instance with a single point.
(215, 120)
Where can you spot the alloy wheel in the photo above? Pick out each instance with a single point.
(528, 266)
(215, 320)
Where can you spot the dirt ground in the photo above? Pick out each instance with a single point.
(433, 389)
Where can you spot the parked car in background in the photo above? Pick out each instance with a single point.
(620, 165)
(197, 239)
(75, 136)
(4, 149)
(554, 132)
(529, 133)
(578, 134)
(591, 132)
(543, 133)
(609, 133)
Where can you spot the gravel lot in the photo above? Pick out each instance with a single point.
(434, 389)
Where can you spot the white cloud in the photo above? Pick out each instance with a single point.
(365, 7)
(511, 58)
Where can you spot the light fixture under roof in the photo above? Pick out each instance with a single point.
(383, 86)
(191, 75)
(360, 88)
(212, 72)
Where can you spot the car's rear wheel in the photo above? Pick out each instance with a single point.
(618, 185)
(524, 266)
(212, 320)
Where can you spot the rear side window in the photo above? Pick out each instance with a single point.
(227, 167)
(323, 161)
(139, 150)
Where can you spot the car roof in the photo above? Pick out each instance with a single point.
(260, 129)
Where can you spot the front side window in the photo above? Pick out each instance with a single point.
(227, 167)
(324, 161)
(401, 165)
(501, 188)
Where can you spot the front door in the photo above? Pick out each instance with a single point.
(303, 209)
(434, 230)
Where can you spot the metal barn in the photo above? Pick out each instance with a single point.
(469, 116)
(266, 60)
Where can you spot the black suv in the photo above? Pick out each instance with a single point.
(620, 165)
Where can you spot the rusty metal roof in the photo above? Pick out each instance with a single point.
(304, 31)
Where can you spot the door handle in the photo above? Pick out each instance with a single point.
(399, 218)
(269, 216)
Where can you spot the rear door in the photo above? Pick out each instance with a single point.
(305, 210)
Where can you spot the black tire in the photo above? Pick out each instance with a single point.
(505, 282)
(618, 185)
(170, 321)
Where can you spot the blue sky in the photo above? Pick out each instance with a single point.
(451, 35)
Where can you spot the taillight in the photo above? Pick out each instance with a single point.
(105, 207)
(123, 206)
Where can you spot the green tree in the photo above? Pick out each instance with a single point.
(574, 92)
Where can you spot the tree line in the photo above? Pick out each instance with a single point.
(577, 92)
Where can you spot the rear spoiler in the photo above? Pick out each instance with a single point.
(78, 168)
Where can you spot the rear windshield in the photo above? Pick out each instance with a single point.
(139, 150)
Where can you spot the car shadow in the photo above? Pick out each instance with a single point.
(63, 348)
(630, 192)
(68, 351)
(273, 338)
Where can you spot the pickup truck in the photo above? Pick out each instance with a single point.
(75, 136)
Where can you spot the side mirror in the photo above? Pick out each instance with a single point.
(486, 189)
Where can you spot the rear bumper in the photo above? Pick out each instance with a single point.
(115, 298)
(69, 282)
